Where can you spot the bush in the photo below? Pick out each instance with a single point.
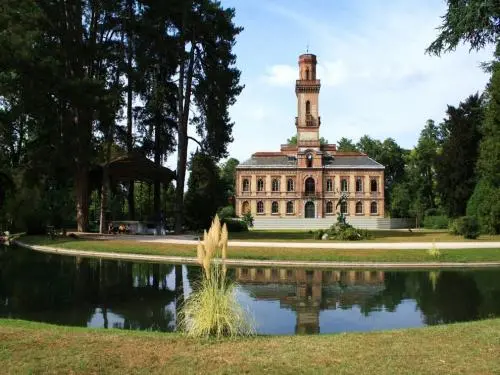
(235, 225)
(484, 204)
(466, 226)
(436, 222)
(226, 212)
(346, 232)
(248, 219)
(318, 234)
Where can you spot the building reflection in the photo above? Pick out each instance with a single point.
(307, 292)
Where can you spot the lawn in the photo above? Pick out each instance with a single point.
(300, 254)
(377, 236)
(463, 348)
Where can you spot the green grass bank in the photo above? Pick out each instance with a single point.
(465, 348)
(275, 253)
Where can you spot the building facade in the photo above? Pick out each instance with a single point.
(307, 179)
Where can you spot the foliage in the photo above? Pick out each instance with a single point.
(476, 22)
(342, 232)
(436, 222)
(466, 226)
(235, 225)
(212, 308)
(434, 251)
(484, 204)
(228, 176)
(226, 212)
(204, 194)
(456, 161)
(346, 145)
(248, 219)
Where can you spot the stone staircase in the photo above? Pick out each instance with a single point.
(271, 223)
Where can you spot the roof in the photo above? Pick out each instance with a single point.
(342, 161)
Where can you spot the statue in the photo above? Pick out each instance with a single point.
(343, 199)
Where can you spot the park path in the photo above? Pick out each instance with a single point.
(190, 240)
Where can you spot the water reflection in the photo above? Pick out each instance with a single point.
(146, 296)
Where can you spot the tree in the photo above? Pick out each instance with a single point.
(293, 141)
(346, 145)
(205, 194)
(456, 163)
(228, 177)
(476, 22)
(206, 34)
(484, 202)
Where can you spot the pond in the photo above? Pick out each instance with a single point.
(146, 296)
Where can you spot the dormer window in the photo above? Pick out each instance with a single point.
(309, 160)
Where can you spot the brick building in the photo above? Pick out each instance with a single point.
(306, 180)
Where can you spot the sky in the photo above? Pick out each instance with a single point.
(375, 76)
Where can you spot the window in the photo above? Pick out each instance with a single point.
(308, 107)
(310, 185)
(245, 207)
(309, 160)
(246, 184)
(343, 184)
(329, 185)
(275, 184)
(343, 207)
(260, 184)
(307, 73)
(274, 207)
(373, 186)
(289, 185)
(329, 207)
(289, 207)
(359, 184)
(374, 208)
(260, 207)
(359, 207)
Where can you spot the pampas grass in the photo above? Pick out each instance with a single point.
(212, 308)
(434, 251)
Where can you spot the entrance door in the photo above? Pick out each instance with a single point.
(309, 210)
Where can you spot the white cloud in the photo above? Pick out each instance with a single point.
(281, 75)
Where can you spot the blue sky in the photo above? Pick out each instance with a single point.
(375, 77)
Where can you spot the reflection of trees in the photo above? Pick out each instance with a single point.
(67, 290)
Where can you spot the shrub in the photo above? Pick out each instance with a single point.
(248, 219)
(346, 232)
(436, 222)
(318, 234)
(226, 212)
(484, 204)
(466, 226)
(235, 225)
(212, 308)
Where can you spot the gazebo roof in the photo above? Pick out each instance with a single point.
(134, 167)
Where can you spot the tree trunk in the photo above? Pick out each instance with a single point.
(104, 199)
(184, 102)
(130, 197)
(82, 197)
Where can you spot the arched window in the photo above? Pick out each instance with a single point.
(274, 207)
(308, 107)
(373, 186)
(310, 186)
(260, 184)
(329, 207)
(343, 207)
(260, 207)
(359, 207)
(374, 208)
(343, 184)
(245, 207)
(289, 207)
(309, 160)
(329, 185)
(307, 73)
(246, 184)
(290, 185)
(275, 184)
(359, 184)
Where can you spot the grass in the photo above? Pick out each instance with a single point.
(376, 236)
(464, 348)
(300, 254)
